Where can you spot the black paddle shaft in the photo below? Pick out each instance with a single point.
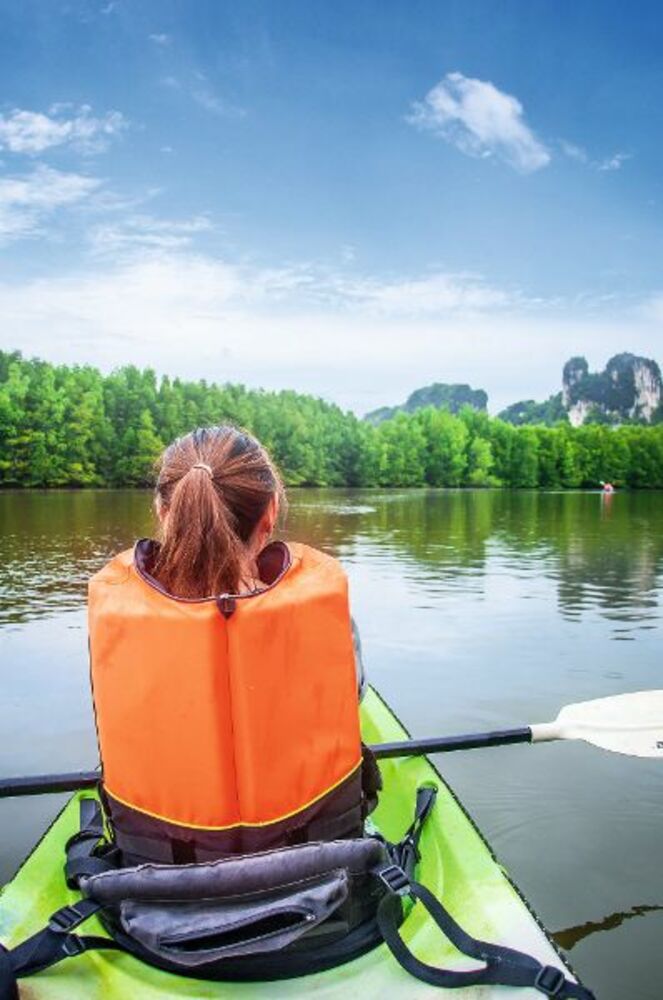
(445, 744)
(42, 784)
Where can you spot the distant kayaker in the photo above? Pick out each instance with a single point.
(607, 487)
(224, 670)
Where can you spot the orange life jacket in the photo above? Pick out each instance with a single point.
(226, 724)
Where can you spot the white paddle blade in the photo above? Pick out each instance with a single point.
(626, 723)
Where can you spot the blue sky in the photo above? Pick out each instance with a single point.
(347, 198)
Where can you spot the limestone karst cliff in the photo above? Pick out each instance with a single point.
(628, 390)
(441, 395)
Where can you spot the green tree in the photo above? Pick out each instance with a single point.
(140, 447)
(71, 426)
(524, 459)
(446, 440)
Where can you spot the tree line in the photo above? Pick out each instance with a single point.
(72, 426)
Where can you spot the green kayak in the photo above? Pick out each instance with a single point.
(457, 865)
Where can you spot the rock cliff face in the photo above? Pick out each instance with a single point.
(528, 411)
(629, 389)
(441, 395)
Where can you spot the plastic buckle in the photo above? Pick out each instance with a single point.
(73, 945)
(549, 980)
(226, 604)
(395, 880)
(65, 920)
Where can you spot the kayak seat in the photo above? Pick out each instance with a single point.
(273, 915)
(278, 913)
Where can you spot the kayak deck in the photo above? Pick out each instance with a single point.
(457, 865)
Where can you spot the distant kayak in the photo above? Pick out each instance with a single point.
(456, 864)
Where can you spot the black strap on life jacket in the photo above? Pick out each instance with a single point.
(56, 941)
(50, 945)
(80, 849)
(502, 965)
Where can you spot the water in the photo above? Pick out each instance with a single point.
(478, 610)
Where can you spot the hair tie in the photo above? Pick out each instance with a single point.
(207, 468)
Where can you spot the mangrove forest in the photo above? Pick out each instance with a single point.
(72, 426)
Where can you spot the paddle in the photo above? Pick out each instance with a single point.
(630, 724)
(626, 723)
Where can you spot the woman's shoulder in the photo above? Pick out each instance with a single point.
(314, 563)
(311, 556)
(116, 570)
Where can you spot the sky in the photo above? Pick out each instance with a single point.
(343, 197)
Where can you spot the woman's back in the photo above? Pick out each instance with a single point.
(226, 709)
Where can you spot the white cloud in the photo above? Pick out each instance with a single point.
(27, 199)
(32, 132)
(165, 284)
(581, 155)
(207, 99)
(483, 121)
(439, 292)
(614, 162)
(160, 39)
(363, 344)
(652, 307)
(199, 317)
(145, 232)
(480, 120)
(199, 90)
(107, 201)
(574, 152)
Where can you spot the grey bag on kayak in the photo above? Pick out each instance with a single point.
(196, 914)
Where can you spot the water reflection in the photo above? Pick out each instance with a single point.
(571, 936)
(51, 542)
(603, 553)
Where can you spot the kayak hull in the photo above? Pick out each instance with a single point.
(457, 865)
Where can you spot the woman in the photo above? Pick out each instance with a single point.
(223, 670)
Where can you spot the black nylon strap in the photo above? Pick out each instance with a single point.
(371, 780)
(8, 984)
(91, 826)
(46, 948)
(80, 848)
(407, 850)
(55, 942)
(76, 868)
(426, 797)
(91, 817)
(502, 965)
(68, 917)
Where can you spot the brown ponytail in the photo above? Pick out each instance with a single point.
(213, 487)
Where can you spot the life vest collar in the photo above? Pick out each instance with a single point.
(273, 562)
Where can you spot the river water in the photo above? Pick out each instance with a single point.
(478, 610)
